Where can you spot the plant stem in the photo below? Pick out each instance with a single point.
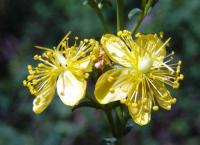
(142, 16)
(138, 23)
(116, 128)
(120, 14)
(94, 5)
(111, 122)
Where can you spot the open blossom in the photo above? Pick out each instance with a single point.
(63, 67)
(143, 76)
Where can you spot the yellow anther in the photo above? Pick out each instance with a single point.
(179, 62)
(138, 35)
(30, 77)
(181, 77)
(176, 85)
(168, 107)
(34, 82)
(24, 82)
(134, 104)
(123, 101)
(86, 75)
(28, 84)
(173, 101)
(161, 34)
(119, 33)
(86, 40)
(31, 72)
(155, 108)
(36, 57)
(49, 54)
(29, 67)
(40, 64)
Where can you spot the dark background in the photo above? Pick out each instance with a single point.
(26, 23)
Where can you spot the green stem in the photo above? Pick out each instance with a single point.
(95, 7)
(142, 16)
(111, 122)
(117, 129)
(138, 23)
(120, 14)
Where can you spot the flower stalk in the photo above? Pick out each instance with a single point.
(117, 128)
(94, 5)
(141, 17)
(120, 14)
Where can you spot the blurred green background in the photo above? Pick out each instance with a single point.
(24, 24)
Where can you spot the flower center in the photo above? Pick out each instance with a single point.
(145, 64)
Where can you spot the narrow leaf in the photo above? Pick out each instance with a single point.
(134, 12)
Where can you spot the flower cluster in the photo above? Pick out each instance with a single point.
(139, 78)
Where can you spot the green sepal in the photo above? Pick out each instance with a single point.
(87, 103)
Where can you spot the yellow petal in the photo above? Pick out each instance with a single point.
(112, 85)
(44, 98)
(70, 89)
(163, 98)
(117, 50)
(141, 114)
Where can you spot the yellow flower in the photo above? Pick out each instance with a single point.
(140, 81)
(63, 67)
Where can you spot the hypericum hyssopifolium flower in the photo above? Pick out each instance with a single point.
(141, 81)
(63, 67)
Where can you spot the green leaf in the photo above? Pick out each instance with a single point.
(85, 2)
(134, 12)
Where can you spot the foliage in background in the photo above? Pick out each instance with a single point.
(27, 23)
